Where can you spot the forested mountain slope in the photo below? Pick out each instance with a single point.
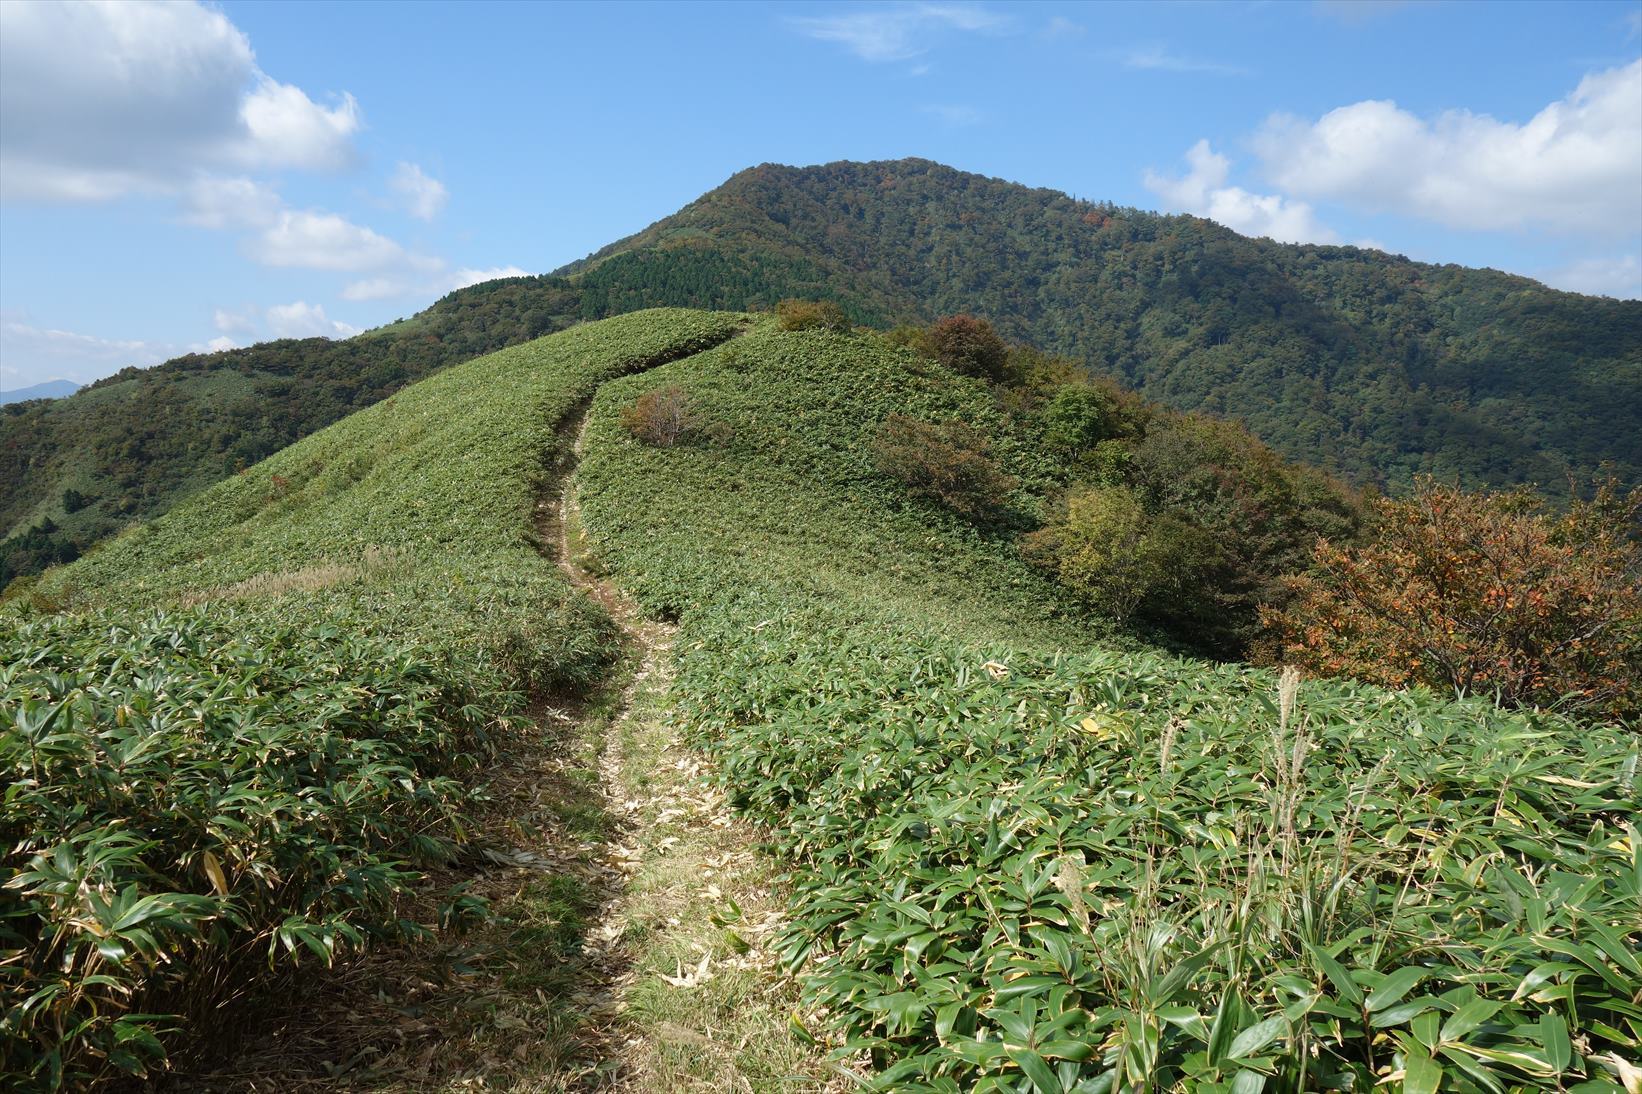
(1355, 361)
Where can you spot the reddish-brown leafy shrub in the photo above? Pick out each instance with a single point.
(1482, 593)
(811, 315)
(660, 418)
(950, 462)
(968, 345)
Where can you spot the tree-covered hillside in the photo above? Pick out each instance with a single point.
(1353, 360)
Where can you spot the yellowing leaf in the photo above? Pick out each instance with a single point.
(213, 871)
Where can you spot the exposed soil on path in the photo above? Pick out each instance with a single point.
(610, 963)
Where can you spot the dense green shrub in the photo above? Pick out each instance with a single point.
(949, 462)
(1114, 555)
(1076, 419)
(1215, 521)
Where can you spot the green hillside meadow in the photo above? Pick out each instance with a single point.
(1031, 860)
(1362, 363)
(251, 718)
(1028, 852)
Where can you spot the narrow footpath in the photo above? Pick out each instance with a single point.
(632, 919)
(684, 943)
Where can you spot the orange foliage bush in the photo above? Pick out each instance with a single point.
(1482, 594)
(811, 315)
(950, 462)
(660, 418)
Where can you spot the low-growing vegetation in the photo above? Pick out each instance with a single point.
(196, 795)
(1027, 859)
(1029, 852)
(328, 644)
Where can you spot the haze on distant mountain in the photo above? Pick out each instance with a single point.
(51, 389)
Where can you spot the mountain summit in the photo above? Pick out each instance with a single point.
(1362, 362)
(1359, 362)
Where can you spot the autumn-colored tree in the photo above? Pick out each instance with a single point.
(950, 462)
(660, 418)
(968, 345)
(1482, 594)
(811, 315)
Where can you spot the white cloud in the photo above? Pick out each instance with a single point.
(1620, 277)
(285, 128)
(383, 288)
(1158, 58)
(377, 288)
(303, 320)
(466, 276)
(1576, 166)
(30, 354)
(220, 343)
(229, 322)
(1061, 27)
(324, 241)
(422, 197)
(302, 238)
(102, 98)
(896, 33)
(1203, 192)
(220, 203)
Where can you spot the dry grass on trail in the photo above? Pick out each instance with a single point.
(705, 1007)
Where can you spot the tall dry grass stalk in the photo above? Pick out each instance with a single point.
(1289, 764)
(308, 579)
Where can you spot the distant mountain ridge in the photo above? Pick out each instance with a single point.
(1361, 362)
(51, 389)
(1365, 364)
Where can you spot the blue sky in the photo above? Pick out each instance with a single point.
(180, 177)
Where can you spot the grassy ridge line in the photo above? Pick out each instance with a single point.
(777, 492)
(132, 445)
(420, 506)
(1020, 869)
(238, 776)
